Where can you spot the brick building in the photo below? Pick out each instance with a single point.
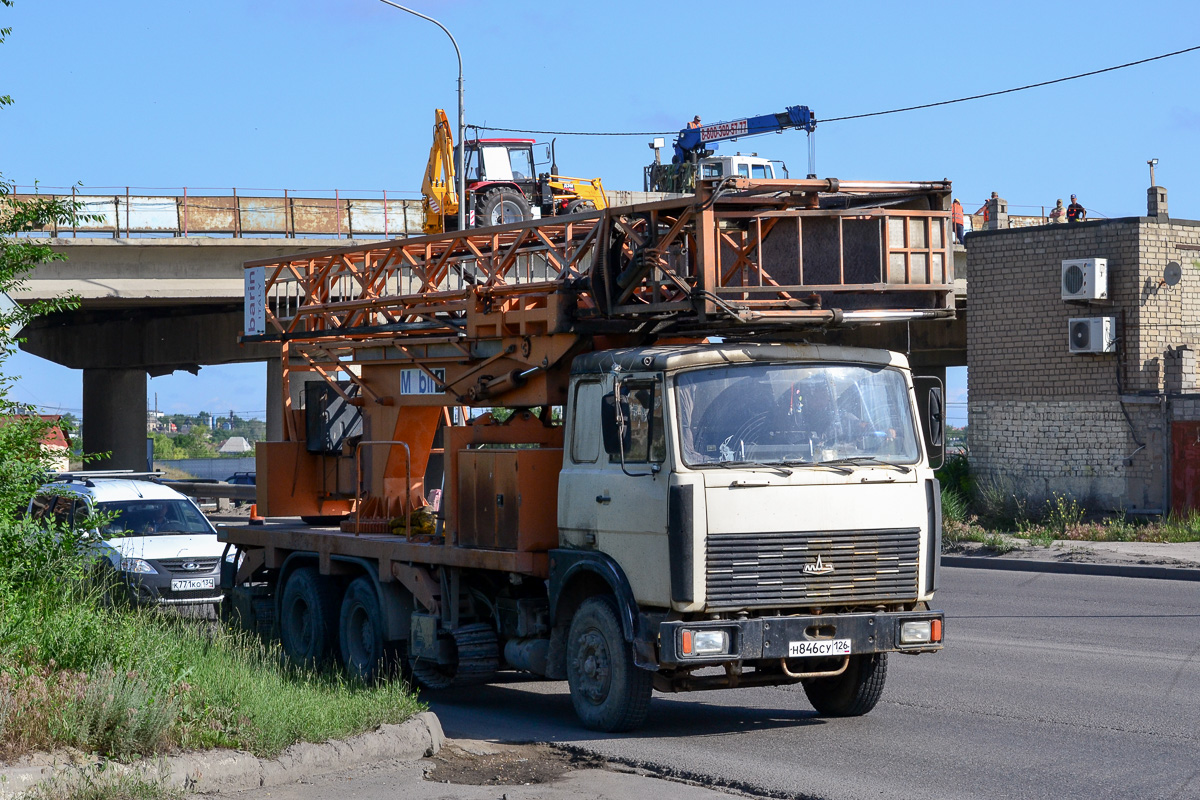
(1116, 430)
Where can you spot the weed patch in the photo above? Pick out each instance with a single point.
(126, 682)
(104, 782)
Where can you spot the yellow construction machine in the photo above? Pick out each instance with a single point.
(502, 183)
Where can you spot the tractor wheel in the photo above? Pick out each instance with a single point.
(503, 206)
(580, 206)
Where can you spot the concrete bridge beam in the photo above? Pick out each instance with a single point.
(157, 341)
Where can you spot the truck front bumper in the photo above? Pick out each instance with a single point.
(828, 635)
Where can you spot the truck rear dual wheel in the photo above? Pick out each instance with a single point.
(308, 617)
(610, 693)
(368, 656)
(854, 692)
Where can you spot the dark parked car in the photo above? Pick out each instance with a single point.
(241, 478)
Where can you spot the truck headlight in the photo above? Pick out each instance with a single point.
(916, 631)
(704, 643)
(137, 565)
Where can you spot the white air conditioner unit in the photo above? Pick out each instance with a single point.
(1085, 279)
(1092, 335)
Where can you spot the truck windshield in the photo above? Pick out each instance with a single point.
(153, 518)
(795, 414)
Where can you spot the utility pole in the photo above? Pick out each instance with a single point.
(461, 155)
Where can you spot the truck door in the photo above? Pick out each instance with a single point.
(620, 509)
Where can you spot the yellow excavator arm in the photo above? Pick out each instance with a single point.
(588, 193)
(438, 188)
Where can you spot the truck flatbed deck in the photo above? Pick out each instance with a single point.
(277, 540)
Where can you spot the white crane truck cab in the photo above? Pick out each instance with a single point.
(741, 166)
(770, 508)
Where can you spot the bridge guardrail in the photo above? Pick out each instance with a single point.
(282, 214)
(237, 215)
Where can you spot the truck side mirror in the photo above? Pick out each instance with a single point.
(937, 417)
(611, 414)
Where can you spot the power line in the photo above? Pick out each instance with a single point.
(872, 113)
(1016, 89)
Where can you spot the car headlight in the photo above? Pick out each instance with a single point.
(137, 565)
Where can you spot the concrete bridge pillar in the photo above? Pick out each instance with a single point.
(114, 417)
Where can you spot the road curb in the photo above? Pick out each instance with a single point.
(233, 770)
(1073, 568)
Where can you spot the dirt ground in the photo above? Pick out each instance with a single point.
(490, 764)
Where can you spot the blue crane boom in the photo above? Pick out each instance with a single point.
(692, 140)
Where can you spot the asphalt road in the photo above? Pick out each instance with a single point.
(1051, 686)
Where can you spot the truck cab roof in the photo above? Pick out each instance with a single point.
(660, 358)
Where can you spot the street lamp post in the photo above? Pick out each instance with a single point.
(460, 156)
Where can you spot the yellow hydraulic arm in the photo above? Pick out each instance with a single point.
(581, 193)
(440, 197)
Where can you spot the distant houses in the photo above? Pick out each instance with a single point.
(235, 445)
(55, 442)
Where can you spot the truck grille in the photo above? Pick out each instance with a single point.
(767, 569)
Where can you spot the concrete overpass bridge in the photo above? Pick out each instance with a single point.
(160, 281)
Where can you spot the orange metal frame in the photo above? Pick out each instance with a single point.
(492, 316)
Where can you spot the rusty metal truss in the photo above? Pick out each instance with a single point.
(740, 256)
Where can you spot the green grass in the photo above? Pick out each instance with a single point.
(124, 683)
(1069, 525)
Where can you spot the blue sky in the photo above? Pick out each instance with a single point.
(340, 94)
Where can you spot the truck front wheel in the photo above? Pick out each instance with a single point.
(308, 617)
(854, 692)
(610, 693)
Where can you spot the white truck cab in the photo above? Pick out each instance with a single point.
(742, 166)
(768, 505)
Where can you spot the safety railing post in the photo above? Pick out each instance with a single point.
(358, 481)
